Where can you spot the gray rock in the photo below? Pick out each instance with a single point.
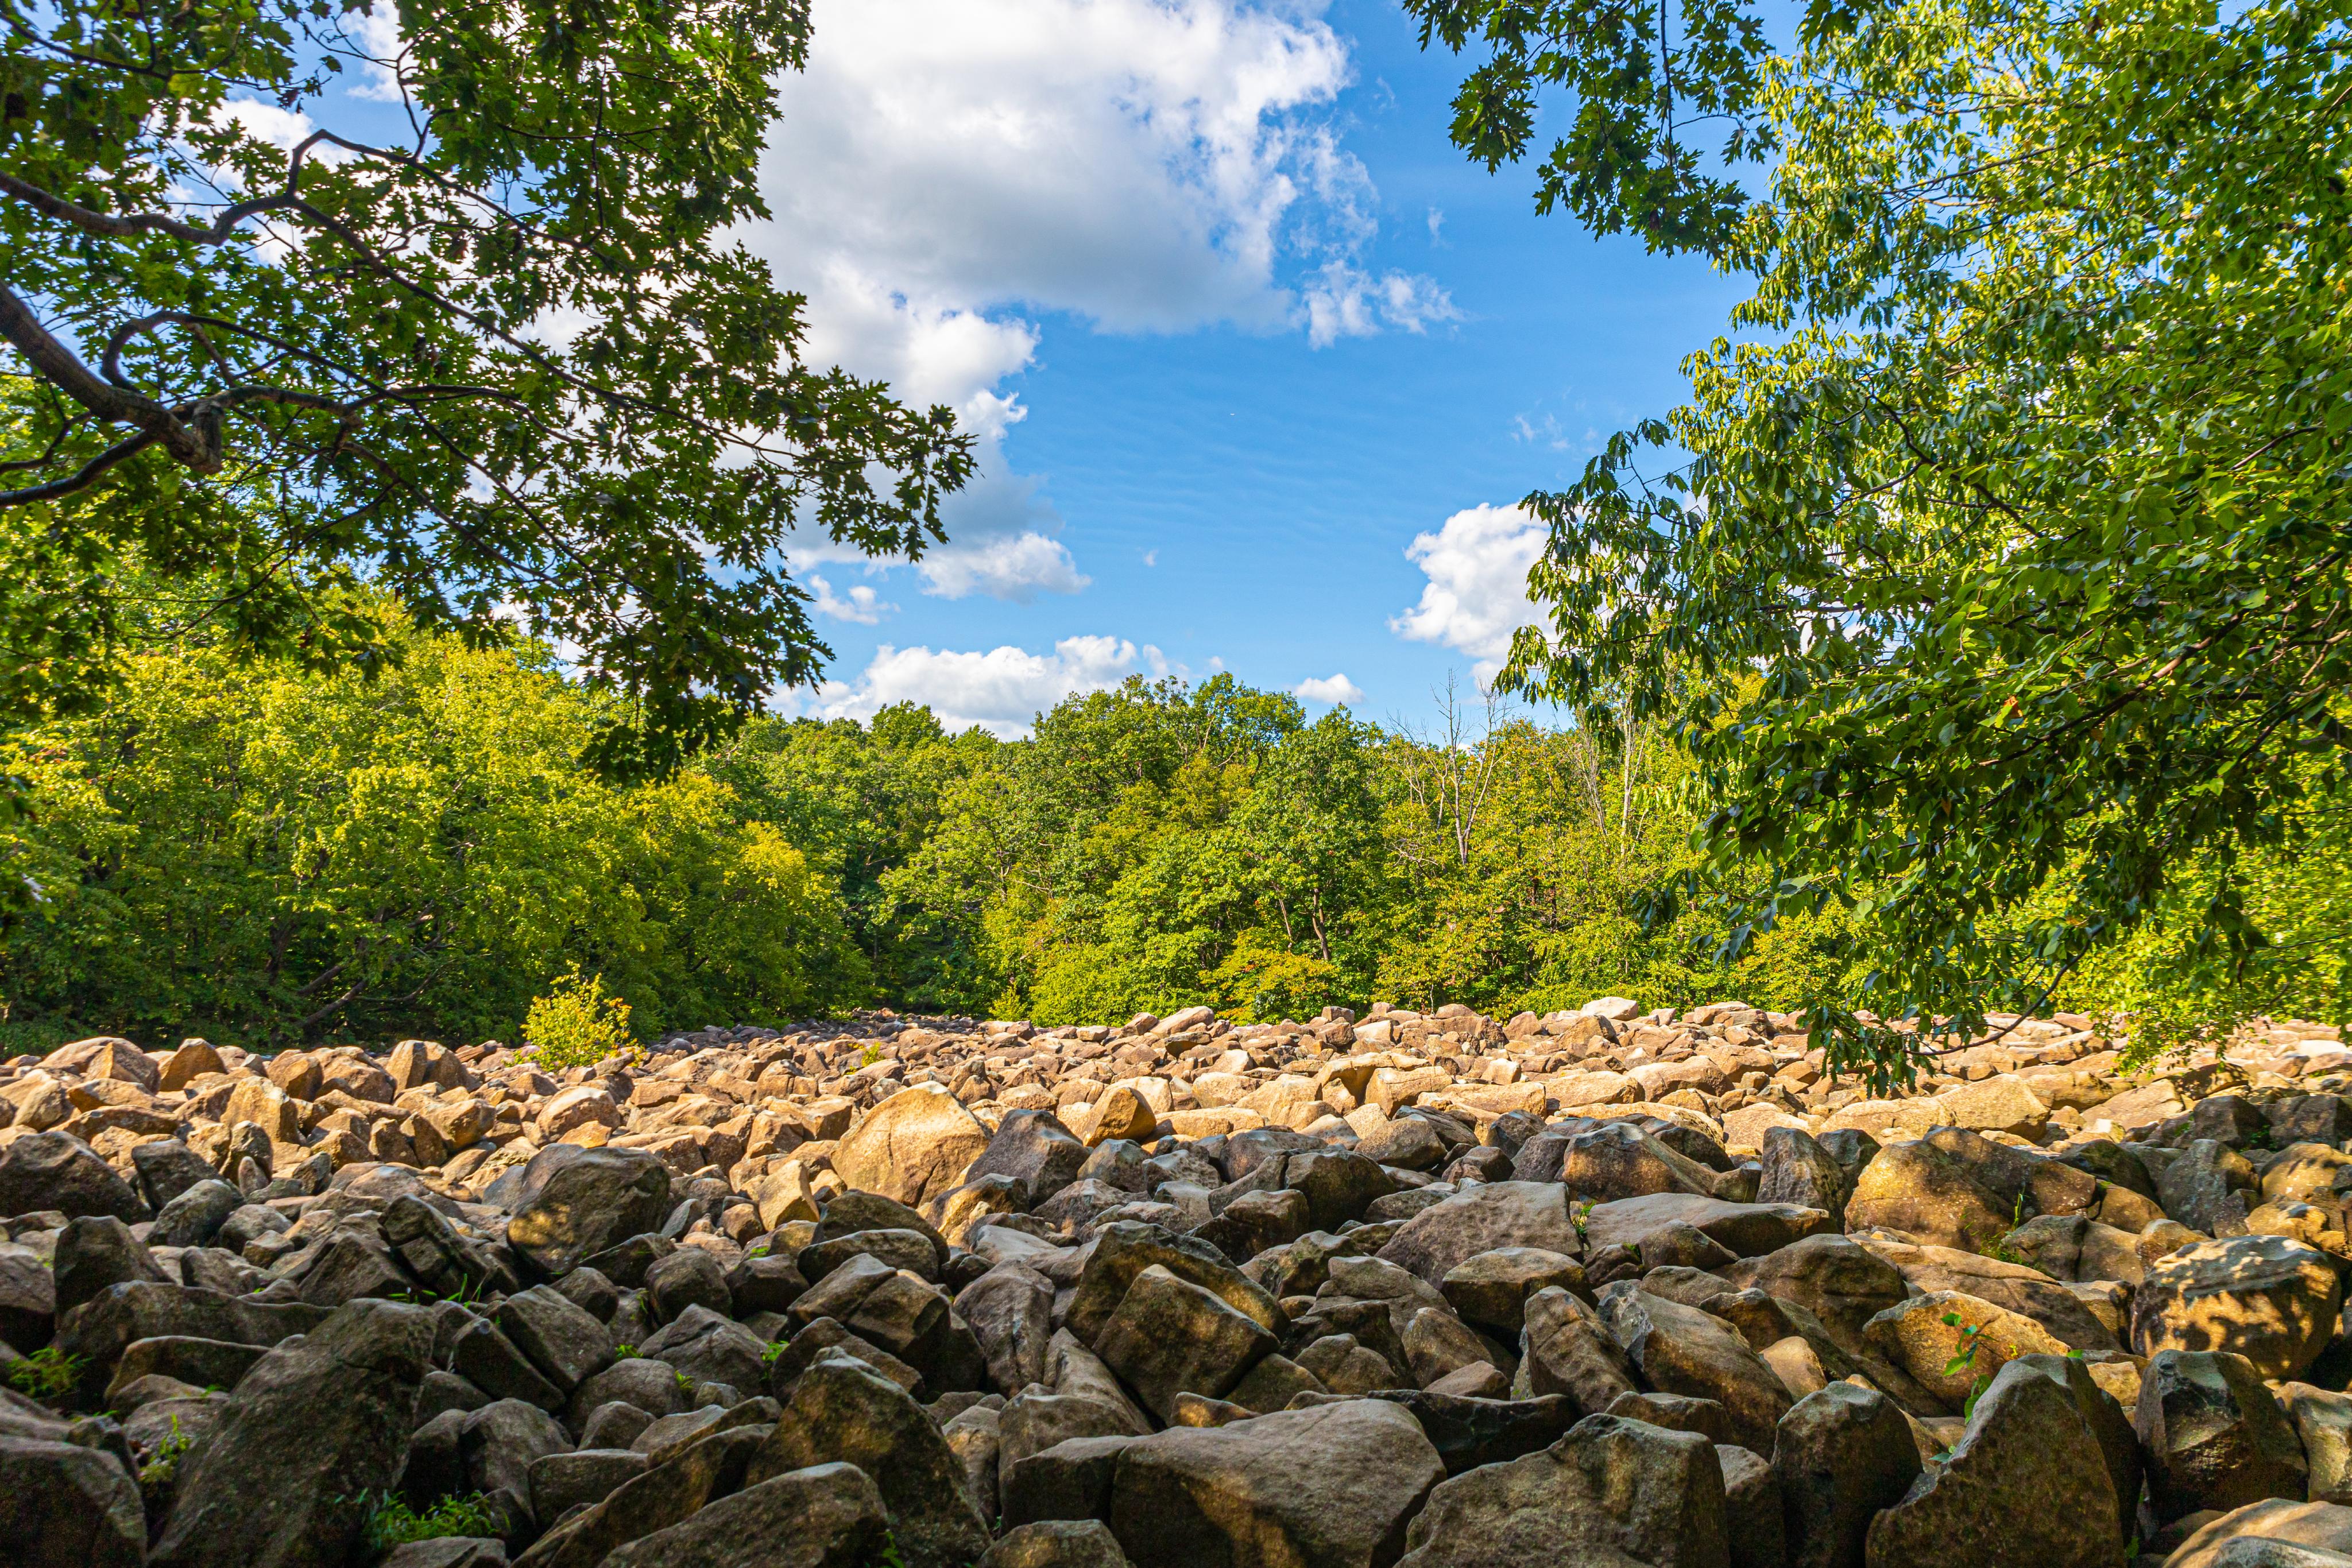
(1071, 1481)
(315, 1426)
(1841, 1455)
(1124, 1249)
(2211, 1187)
(1169, 1337)
(1010, 1309)
(1491, 1215)
(1755, 1524)
(560, 1483)
(65, 1505)
(844, 1412)
(668, 1494)
(193, 1215)
(1566, 1349)
(573, 1203)
(167, 1167)
(1056, 1544)
(1798, 1170)
(497, 1445)
(1741, 1229)
(563, 1341)
(2212, 1435)
(689, 1277)
(707, 1348)
(1034, 1149)
(1491, 1289)
(2024, 1484)
(94, 1253)
(100, 1328)
(2323, 1421)
(1611, 1491)
(2270, 1299)
(1681, 1350)
(490, 1361)
(826, 1516)
(1840, 1283)
(58, 1171)
(1329, 1487)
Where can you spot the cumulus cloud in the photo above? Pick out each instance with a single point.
(861, 604)
(1477, 595)
(1002, 690)
(1335, 689)
(945, 170)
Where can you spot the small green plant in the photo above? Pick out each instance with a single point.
(868, 1054)
(1579, 1214)
(890, 1557)
(1971, 1337)
(45, 1374)
(577, 1025)
(164, 1465)
(685, 1384)
(624, 1353)
(775, 1352)
(392, 1522)
(2002, 1250)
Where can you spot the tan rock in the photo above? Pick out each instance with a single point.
(912, 1146)
(1915, 1336)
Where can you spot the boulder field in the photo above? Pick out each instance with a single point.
(1611, 1287)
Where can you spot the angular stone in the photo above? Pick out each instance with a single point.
(310, 1430)
(2209, 1187)
(490, 1361)
(665, 1495)
(1565, 1349)
(2267, 1298)
(843, 1412)
(919, 1142)
(497, 1445)
(565, 1344)
(561, 1482)
(1034, 1149)
(826, 1516)
(1481, 1220)
(168, 1168)
(1491, 1289)
(1843, 1284)
(1328, 1486)
(2212, 1435)
(1841, 1456)
(1681, 1350)
(1124, 1249)
(1072, 1480)
(1755, 1525)
(1611, 1491)
(2278, 1534)
(65, 1505)
(1743, 1229)
(58, 1171)
(1170, 1337)
(1798, 1170)
(100, 1329)
(2323, 1421)
(2013, 1287)
(1915, 1336)
(94, 1253)
(704, 1347)
(192, 1217)
(1010, 1309)
(1057, 1543)
(2025, 1484)
(578, 1202)
(691, 1276)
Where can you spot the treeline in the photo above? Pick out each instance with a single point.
(266, 853)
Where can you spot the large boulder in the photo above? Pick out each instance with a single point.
(2013, 1287)
(1487, 1216)
(2209, 1187)
(1839, 1281)
(668, 1494)
(844, 1412)
(58, 1171)
(1011, 1312)
(317, 1425)
(1618, 1160)
(1798, 1170)
(2213, 1435)
(917, 1143)
(1841, 1455)
(827, 1516)
(1953, 1343)
(1170, 1337)
(65, 1504)
(1125, 1248)
(2267, 1298)
(1743, 1229)
(1332, 1486)
(2323, 1421)
(1034, 1149)
(1611, 1491)
(2278, 1534)
(2026, 1483)
(576, 1202)
(1566, 1349)
(1681, 1350)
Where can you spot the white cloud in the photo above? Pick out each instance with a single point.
(861, 604)
(1336, 689)
(1477, 595)
(946, 168)
(1002, 690)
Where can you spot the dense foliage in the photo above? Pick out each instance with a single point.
(444, 297)
(307, 854)
(2024, 494)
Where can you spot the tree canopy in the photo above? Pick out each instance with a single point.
(303, 292)
(1995, 573)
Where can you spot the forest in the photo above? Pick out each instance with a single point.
(290, 854)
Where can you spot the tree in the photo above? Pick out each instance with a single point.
(2022, 494)
(504, 361)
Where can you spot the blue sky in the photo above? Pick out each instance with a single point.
(1236, 324)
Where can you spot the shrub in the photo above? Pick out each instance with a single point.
(45, 1374)
(577, 1025)
(392, 1522)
